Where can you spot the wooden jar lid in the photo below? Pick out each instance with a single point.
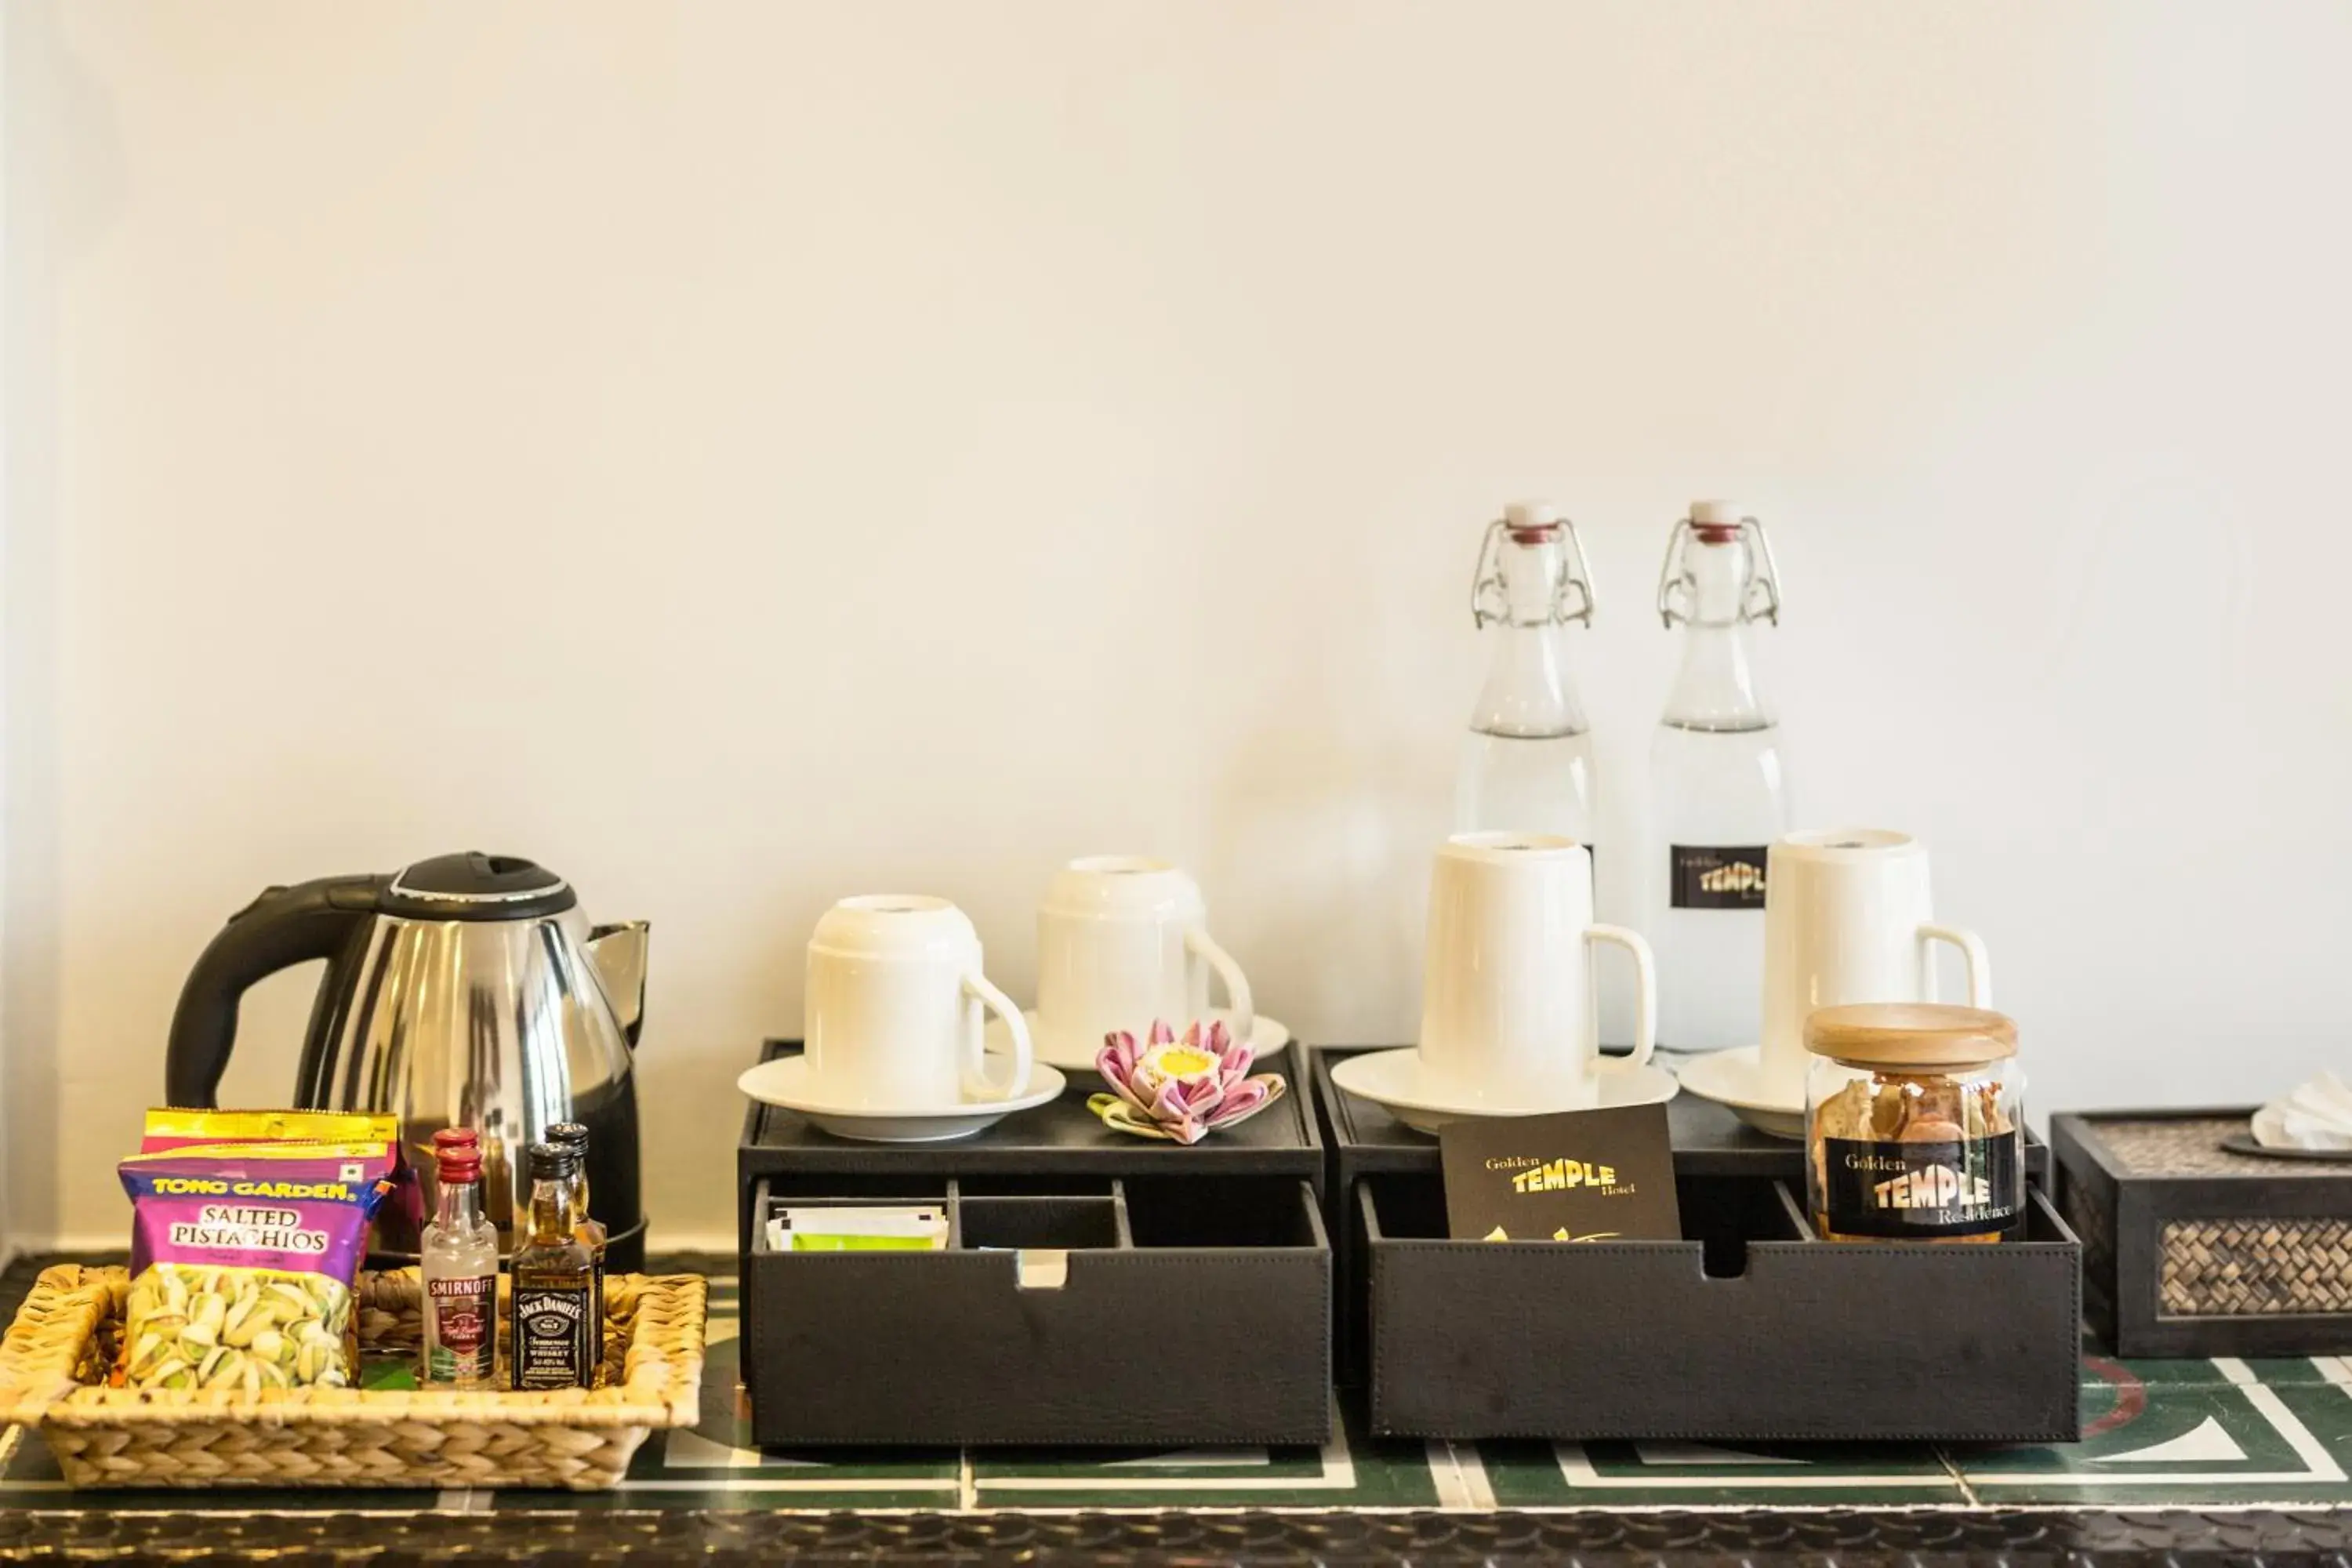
(1911, 1035)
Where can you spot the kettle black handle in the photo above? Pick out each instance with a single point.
(285, 926)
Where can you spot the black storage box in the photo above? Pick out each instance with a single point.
(2190, 1249)
(1074, 1251)
(1749, 1330)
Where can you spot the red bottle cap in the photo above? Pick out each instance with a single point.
(460, 1154)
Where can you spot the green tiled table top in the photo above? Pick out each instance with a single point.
(2179, 1435)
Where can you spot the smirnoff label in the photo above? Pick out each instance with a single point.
(462, 1308)
(1967, 1187)
(1710, 877)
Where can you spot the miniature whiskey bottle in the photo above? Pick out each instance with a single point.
(554, 1287)
(572, 1135)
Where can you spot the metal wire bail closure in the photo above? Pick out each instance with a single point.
(1762, 599)
(1571, 599)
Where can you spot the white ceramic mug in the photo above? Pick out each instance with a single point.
(893, 1011)
(1506, 1015)
(1847, 918)
(1123, 940)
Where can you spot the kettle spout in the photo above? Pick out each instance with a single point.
(618, 951)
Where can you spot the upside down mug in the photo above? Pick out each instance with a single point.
(1123, 940)
(1847, 919)
(894, 1012)
(1506, 1016)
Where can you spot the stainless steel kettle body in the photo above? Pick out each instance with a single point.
(467, 991)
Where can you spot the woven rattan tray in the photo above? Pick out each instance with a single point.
(54, 1357)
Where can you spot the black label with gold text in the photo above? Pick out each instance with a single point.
(1706, 877)
(1967, 1187)
(1579, 1176)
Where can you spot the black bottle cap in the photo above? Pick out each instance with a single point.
(554, 1163)
(570, 1135)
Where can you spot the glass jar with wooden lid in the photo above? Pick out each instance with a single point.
(1913, 1124)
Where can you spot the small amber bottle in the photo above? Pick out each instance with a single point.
(551, 1343)
(572, 1135)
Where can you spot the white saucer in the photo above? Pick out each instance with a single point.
(1392, 1080)
(1266, 1038)
(786, 1081)
(1736, 1079)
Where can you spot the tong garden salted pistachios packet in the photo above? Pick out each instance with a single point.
(399, 1219)
(243, 1261)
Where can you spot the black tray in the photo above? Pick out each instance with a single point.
(1062, 1338)
(1753, 1331)
(1365, 1141)
(2190, 1249)
(1059, 1140)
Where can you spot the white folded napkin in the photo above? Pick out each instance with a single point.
(2314, 1115)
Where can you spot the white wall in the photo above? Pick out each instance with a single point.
(744, 455)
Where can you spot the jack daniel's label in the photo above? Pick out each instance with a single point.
(1712, 877)
(550, 1349)
(1967, 1187)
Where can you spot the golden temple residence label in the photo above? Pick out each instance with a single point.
(1578, 1175)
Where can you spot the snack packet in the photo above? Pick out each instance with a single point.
(243, 1260)
(399, 1220)
(175, 1127)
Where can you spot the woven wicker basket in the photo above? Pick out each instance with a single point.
(55, 1355)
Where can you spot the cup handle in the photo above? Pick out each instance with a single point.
(1972, 952)
(1201, 944)
(975, 1062)
(1645, 1011)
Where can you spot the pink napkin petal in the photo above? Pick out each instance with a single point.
(1240, 1101)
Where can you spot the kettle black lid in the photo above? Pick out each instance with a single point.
(476, 887)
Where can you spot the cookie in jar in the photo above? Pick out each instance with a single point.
(1913, 1124)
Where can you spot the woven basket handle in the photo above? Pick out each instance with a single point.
(55, 1333)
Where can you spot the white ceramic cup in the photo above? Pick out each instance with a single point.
(1123, 940)
(1506, 1015)
(1847, 918)
(896, 995)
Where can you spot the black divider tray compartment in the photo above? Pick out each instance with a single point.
(1062, 1338)
(1365, 1141)
(1062, 1139)
(1753, 1332)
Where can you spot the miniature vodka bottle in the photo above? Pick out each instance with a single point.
(1527, 764)
(1718, 794)
(459, 1261)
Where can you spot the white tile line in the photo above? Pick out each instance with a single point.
(1338, 1474)
(1960, 1477)
(1445, 1477)
(1577, 1469)
(801, 1484)
(1472, 1467)
(2308, 1448)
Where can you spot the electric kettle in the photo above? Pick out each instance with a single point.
(466, 991)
